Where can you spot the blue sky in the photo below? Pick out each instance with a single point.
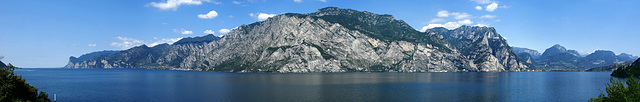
(45, 33)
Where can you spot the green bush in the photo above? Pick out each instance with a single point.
(14, 88)
(627, 71)
(617, 92)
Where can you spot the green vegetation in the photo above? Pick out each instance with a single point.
(617, 92)
(14, 88)
(197, 40)
(627, 71)
(324, 54)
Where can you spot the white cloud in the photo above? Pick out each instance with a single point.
(487, 16)
(186, 32)
(236, 2)
(261, 16)
(436, 20)
(322, 0)
(492, 7)
(92, 45)
(481, 25)
(448, 25)
(212, 14)
(183, 31)
(125, 42)
(209, 32)
(484, 1)
(164, 23)
(174, 4)
(443, 13)
(478, 7)
(430, 26)
(163, 40)
(230, 16)
(224, 31)
(455, 15)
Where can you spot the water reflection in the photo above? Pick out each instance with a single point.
(162, 85)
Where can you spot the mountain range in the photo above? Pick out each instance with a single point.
(328, 40)
(558, 57)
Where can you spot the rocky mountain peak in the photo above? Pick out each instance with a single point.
(328, 40)
(484, 44)
(553, 51)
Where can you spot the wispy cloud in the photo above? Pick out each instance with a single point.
(484, 1)
(126, 42)
(174, 4)
(487, 16)
(300, 1)
(182, 31)
(455, 15)
(92, 45)
(236, 2)
(436, 20)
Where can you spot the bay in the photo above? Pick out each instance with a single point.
(117, 85)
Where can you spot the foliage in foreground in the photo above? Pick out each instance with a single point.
(14, 88)
(627, 71)
(617, 92)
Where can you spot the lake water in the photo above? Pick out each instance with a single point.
(115, 85)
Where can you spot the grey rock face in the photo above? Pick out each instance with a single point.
(320, 42)
(484, 47)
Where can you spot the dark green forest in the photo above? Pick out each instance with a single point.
(15, 89)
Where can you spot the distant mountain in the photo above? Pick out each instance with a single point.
(611, 67)
(2, 65)
(628, 71)
(558, 57)
(91, 55)
(598, 58)
(626, 57)
(328, 40)
(533, 53)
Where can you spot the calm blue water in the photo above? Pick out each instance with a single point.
(114, 85)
